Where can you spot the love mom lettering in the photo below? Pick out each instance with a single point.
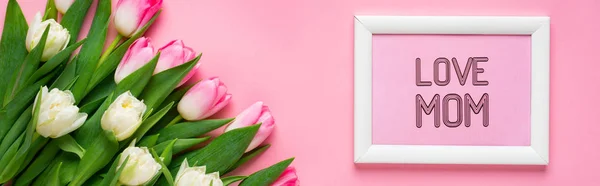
(468, 105)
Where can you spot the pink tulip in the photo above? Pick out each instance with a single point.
(131, 15)
(203, 100)
(174, 54)
(287, 178)
(138, 54)
(256, 113)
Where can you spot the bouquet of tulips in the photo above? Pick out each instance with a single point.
(124, 115)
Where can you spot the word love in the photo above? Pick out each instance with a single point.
(436, 103)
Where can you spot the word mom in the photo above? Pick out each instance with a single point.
(468, 104)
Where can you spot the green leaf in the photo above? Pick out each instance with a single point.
(11, 169)
(96, 157)
(92, 127)
(67, 143)
(167, 154)
(73, 18)
(147, 114)
(66, 172)
(10, 153)
(97, 96)
(38, 165)
(12, 45)
(191, 129)
(36, 146)
(91, 107)
(69, 168)
(232, 179)
(163, 83)
(146, 125)
(15, 131)
(90, 52)
(112, 61)
(136, 81)
(148, 141)
(222, 152)
(175, 96)
(167, 175)
(180, 144)
(51, 11)
(248, 156)
(27, 68)
(268, 175)
(16, 107)
(55, 176)
(67, 77)
(54, 62)
(112, 177)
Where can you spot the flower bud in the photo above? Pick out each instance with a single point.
(131, 15)
(57, 114)
(256, 113)
(196, 176)
(174, 54)
(63, 5)
(287, 178)
(123, 116)
(203, 99)
(140, 168)
(138, 55)
(57, 40)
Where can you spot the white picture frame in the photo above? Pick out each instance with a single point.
(367, 152)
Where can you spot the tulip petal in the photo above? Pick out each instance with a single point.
(189, 75)
(138, 54)
(80, 119)
(154, 6)
(63, 5)
(129, 15)
(220, 105)
(287, 178)
(247, 117)
(265, 130)
(189, 54)
(221, 90)
(171, 55)
(33, 27)
(198, 100)
(135, 62)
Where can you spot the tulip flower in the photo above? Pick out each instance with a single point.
(174, 54)
(131, 15)
(63, 5)
(256, 113)
(196, 176)
(123, 116)
(203, 100)
(287, 178)
(140, 168)
(138, 54)
(58, 115)
(57, 40)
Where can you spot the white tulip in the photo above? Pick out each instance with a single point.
(63, 5)
(58, 115)
(57, 40)
(196, 176)
(140, 168)
(123, 116)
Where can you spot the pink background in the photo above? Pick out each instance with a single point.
(297, 56)
(394, 90)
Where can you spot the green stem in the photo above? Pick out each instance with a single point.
(175, 120)
(110, 48)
